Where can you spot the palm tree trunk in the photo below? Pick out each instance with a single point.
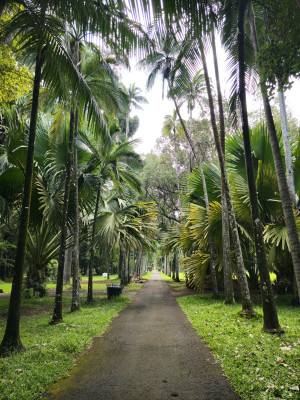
(228, 287)
(127, 125)
(75, 288)
(176, 266)
(57, 313)
(199, 164)
(241, 273)
(11, 339)
(122, 266)
(68, 260)
(271, 323)
(128, 267)
(90, 280)
(177, 169)
(287, 147)
(279, 168)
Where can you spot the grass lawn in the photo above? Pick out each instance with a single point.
(51, 350)
(5, 286)
(176, 285)
(259, 365)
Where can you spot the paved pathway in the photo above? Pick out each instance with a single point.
(151, 352)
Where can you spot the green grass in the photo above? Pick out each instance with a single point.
(147, 275)
(51, 350)
(176, 285)
(259, 365)
(5, 286)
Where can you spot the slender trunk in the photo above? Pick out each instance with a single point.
(68, 260)
(122, 264)
(287, 147)
(177, 169)
(279, 168)
(228, 287)
(127, 125)
(173, 267)
(241, 273)
(57, 313)
(271, 323)
(199, 164)
(176, 267)
(168, 265)
(128, 267)
(11, 339)
(90, 280)
(75, 288)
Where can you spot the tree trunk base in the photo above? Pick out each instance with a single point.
(75, 308)
(55, 321)
(90, 299)
(248, 314)
(273, 331)
(6, 351)
(295, 302)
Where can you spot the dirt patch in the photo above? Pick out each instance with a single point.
(30, 311)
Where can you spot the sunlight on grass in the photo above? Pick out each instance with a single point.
(5, 286)
(259, 365)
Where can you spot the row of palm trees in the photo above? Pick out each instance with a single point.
(51, 36)
(175, 53)
(74, 81)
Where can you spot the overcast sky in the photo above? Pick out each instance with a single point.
(152, 116)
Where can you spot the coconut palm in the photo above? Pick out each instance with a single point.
(126, 227)
(171, 126)
(134, 99)
(110, 162)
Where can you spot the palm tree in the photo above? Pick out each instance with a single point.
(271, 322)
(282, 182)
(127, 227)
(169, 54)
(170, 127)
(40, 33)
(190, 91)
(112, 162)
(134, 99)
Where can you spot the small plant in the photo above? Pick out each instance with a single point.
(51, 270)
(30, 293)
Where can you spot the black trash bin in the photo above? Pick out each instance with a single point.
(114, 291)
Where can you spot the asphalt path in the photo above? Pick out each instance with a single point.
(151, 352)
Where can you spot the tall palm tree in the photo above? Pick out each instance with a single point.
(169, 55)
(190, 90)
(282, 182)
(41, 33)
(114, 162)
(170, 127)
(271, 322)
